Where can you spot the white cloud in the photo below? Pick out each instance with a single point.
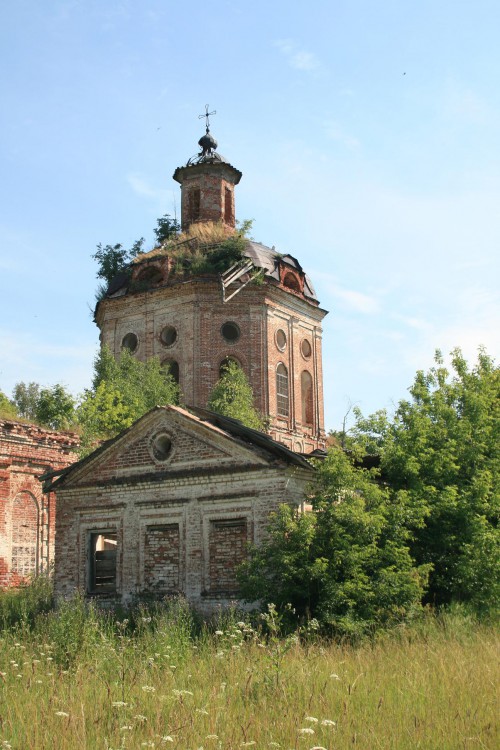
(297, 58)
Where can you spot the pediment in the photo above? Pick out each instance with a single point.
(167, 440)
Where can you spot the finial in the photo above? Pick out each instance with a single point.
(207, 115)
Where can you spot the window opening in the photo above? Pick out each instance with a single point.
(194, 204)
(172, 367)
(230, 332)
(306, 386)
(225, 363)
(282, 398)
(281, 339)
(103, 548)
(162, 447)
(228, 206)
(305, 348)
(291, 282)
(168, 336)
(130, 342)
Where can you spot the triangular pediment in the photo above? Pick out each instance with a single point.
(167, 440)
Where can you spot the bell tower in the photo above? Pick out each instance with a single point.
(259, 310)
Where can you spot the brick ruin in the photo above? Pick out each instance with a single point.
(27, 516)
(196, 322)
(168, 508)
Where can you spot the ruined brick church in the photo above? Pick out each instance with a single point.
(169, 505)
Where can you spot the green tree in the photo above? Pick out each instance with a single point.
(114, 259)
(347, 562)
(56, 408)
(166, 229)
(123, 390)
(26, 397)
(443, 451)
(7, 407)
(232, 397)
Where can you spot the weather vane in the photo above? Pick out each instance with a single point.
(207, 115)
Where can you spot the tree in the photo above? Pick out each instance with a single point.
(443, 451)
(166, 229)
(232, 397)
(114, 259)
(26, 397)
(56, 408)
(347, 563)
(7, 407)
(52, 406)
(123, 390)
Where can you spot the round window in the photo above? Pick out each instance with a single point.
(305, 348)
(162, 447)
(168, 336)
(130, 342)
(230, 332)
(281, 339)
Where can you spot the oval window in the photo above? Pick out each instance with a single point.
(168, 336)
(281, 339)
(230, 332)
(162, 447)
(306, 348)
(130, 342)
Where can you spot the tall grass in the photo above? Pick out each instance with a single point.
(158, 677)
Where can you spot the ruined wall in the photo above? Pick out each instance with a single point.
(27, 518)
(177, 526)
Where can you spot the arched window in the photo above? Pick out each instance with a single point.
(306, 392)
(282, 398)
(291, 281)
(25, 527)
(225, 362)
(172, 367)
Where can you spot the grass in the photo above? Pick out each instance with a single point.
(159, 678)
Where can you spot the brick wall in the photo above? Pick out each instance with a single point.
(197, 313)
(182, 527)
(27, 517)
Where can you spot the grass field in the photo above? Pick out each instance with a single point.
(77, 679)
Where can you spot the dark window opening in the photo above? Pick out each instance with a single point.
(150, 276)
(228, 206)
(225, 364)
(194, 197)
(291, 282)
(130, 342)
(162, 446)
(230, 331)
(103, 546)
(282, 391)
(172, 367)
(168, 336)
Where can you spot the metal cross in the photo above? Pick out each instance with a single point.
(207, 115)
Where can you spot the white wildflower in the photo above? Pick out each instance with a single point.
(140, 717)
(212, 737)
(306, 730)
(119, 704)
(219, 632)
(312, 719)
(167, 738)
(328, 723)
(149, 689)
(62, 713)
(334, 676)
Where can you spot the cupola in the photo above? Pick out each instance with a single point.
(207, 184)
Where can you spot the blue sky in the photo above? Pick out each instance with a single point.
(368, 134)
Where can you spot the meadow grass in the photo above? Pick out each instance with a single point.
(158, 678)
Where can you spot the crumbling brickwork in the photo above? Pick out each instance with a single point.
(180, 525)
(27, 517)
